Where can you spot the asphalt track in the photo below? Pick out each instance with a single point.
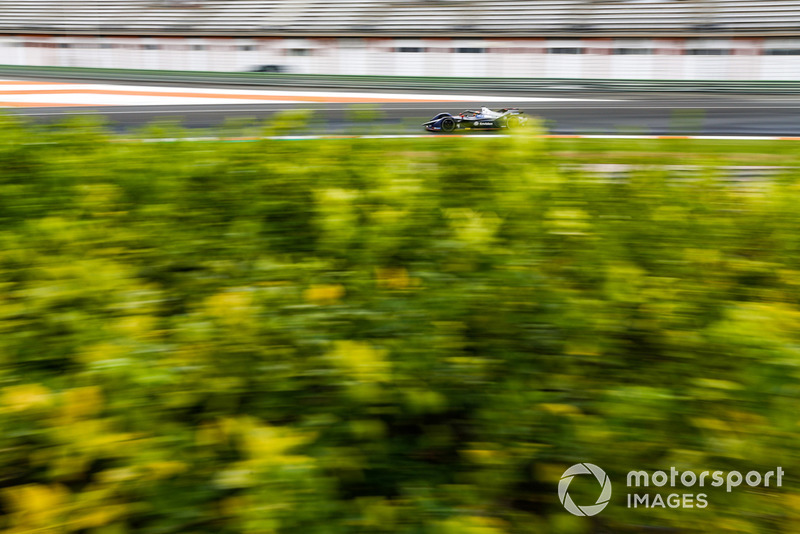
(605, 114)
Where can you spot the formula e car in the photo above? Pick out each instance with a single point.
(485, 119)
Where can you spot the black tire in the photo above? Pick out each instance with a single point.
(448, 124)
(512, 123)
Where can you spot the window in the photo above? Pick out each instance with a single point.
(469, 50)
(708, 52)
(782, 52)
(198, 47)
(151, 47)
(565, 50)
(632, 51)
(409, 49)
(299, 52)
(246, 48)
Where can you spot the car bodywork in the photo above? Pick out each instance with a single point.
(483, 119)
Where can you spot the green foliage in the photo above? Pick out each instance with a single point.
(401, 336)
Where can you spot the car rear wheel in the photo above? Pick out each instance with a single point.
(448, 125)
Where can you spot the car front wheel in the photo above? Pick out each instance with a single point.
(448, 125)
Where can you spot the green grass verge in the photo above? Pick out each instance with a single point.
(681, 151)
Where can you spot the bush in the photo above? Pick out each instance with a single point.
(382, 336)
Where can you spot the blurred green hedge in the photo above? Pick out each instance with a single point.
(365, 336)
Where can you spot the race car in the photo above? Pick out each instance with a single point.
(484, 119)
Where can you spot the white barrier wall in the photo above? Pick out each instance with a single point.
(749, 58)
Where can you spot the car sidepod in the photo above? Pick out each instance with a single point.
(485, 124)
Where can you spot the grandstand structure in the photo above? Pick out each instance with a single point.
(622, 39)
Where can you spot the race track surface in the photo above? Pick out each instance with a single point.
(127, 108)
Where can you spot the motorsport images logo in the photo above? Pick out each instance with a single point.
(584, 469)
(662, 479)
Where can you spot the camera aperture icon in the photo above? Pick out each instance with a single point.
(584, 469)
